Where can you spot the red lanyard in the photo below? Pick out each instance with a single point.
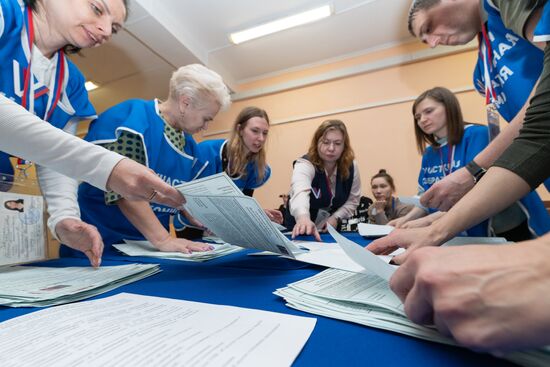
(28, 90)
(450, 157)
(488, 64)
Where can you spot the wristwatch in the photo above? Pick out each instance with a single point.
(475, 170)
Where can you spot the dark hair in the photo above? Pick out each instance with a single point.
(455, 121)
(236, 149)
(417, 6)
(69, 49)
(385, 175)
(18, 201)
(346, 159)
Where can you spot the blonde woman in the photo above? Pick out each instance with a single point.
(325, 183)
(157, 134)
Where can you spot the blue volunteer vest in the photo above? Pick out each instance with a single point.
(542, 29)
(436, 162)
(475, 139)
(173, 166)
(14, 57)
(212, 151)
(516, 66)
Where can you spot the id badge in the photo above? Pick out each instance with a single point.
(493, 121)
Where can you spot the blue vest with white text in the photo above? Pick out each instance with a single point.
(476, 137)
(14, 59)
(516, 66)
(436, 163)
(173, 166)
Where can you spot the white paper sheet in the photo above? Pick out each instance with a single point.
(363, 257)
(235, 218)
(28, 286)
(374, 230)
(145, 248)
(218, 184)
(134, 330)
(366, 300)
(22, 233)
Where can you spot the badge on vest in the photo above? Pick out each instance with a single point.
(316, 192)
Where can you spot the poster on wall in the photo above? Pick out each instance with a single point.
(22, 228)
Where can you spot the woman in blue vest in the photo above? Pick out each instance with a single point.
(451, 144)
(242, 157)
(325, 183)
(157, 134)
(35, 36)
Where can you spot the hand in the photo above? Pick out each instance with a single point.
(330, 220)
(136, 182)
(81, 236)
(445, 193)
(411, 239)
(488, 298)
(418, 223)
(192, 221)
(304, 225)
(171, 244)
(274, 215)
(398, 222)
(379, 205)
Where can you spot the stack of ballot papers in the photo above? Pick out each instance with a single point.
(365, 298)
(28, 286)
(134, 330)
(237, 219)
(145, 248)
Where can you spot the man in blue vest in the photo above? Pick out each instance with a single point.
(487, 298)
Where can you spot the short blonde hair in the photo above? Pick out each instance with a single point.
(196, 82)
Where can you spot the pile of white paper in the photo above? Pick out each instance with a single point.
(237, 219)
(145, 248)
(134, 330)
(27, 286)
(366, 299)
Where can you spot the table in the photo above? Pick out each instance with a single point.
(248, 281)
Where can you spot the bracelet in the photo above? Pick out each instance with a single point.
(475, 170)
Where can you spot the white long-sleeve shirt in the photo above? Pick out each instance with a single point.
(300, 189)
(25, 135)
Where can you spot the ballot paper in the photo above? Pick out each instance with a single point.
(22, 230)
(237, 219)
(146, 248)
(363, 257)
(374, 230)
(143, 331)
(366, 299)
(27, 286)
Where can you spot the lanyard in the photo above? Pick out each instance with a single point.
(450, 157)
(493, 120)
(486, 52)
(28, 97)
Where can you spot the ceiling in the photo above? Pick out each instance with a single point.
(160, 36)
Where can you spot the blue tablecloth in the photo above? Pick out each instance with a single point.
(248, 281)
